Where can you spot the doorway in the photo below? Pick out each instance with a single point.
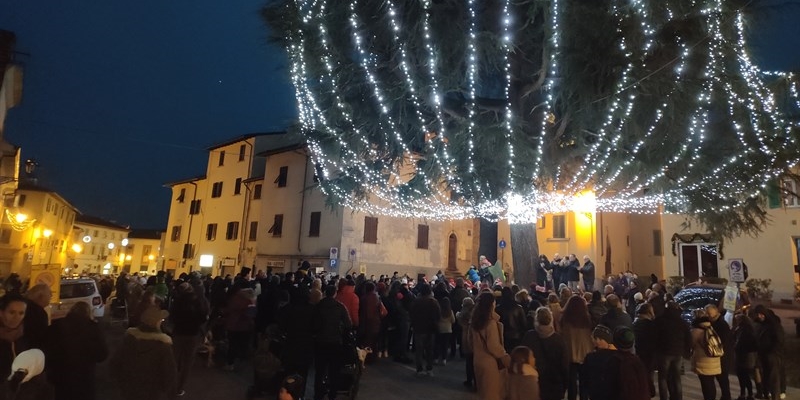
(699, 260)
(452, 252)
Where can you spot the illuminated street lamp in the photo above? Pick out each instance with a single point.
(77, 248)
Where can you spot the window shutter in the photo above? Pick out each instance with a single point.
(422, 236)
(773, 195)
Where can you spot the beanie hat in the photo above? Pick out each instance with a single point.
(624, 338)
(602, 332)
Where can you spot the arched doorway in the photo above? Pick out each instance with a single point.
(452, 252)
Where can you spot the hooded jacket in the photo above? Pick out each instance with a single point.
(331, 321)
(147, 356)
(347, 296)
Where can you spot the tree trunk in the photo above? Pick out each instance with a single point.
(525, 252)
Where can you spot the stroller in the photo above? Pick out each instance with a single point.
(267, 369)
(350, 374)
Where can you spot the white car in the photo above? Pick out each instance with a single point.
(74, 291)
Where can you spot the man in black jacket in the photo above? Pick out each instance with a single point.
(726, 361)
(188, 314)
(331, 322)
(674, 343)
(425, 314)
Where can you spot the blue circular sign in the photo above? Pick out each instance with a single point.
(502, 244)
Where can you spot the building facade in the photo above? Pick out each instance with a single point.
(101, 247)
(143, 252)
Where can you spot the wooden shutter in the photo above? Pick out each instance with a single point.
(370, 230)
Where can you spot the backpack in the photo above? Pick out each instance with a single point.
(712, 344)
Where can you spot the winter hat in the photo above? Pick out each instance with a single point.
(603, 332)
(153, 316)
(624, 338)
(31, 361)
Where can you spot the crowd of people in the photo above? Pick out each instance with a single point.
(553, 340)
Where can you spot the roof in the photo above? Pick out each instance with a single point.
(145, 234)
(187, 180)
(291, 147)
(242, 138)
(31, 187)
(90, 220)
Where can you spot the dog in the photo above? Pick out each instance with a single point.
(362, 355)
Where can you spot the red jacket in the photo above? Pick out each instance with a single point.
(347, 296)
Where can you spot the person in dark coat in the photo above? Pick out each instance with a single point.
(369, 315)
(573, 273)
(331, 322)
(633, 380)
(188, 315)
(457, 296)
(512, 316)
(615, 317)
(36, 319)
(144, 365)
(122, 287)
(425, 314)
(73, 346)
(769, 335)
(240, 313)
(725, 334)
(644, 327)
(746, 349)
(550, 352)
(674, 344)
(12, 330)
(587, 271)
(296, 322)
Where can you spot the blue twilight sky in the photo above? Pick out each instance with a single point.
(121, 97)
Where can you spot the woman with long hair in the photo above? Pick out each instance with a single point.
(12, 332)
(576, 327)
(490, 357)
(523, 379)
(74, 345)
(512, 315)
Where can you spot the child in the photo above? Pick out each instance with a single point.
(523, 379)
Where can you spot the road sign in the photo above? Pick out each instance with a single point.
(736, 270)
(334, 253)
(502, 244)
(334, 263)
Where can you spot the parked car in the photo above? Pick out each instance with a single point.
(694, 297)
(78, 290)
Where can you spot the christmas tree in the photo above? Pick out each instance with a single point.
(500, 109)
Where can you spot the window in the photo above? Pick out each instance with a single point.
(216, 189)
(370, 230)
(194, 207)
(277, 226)
(146, 250)
(176, 233)
(657, 242)
(181, 196)
(241, 152)
(422, 236)
(559, 227)
(94, 249)
(5, 235)
(20, 201)
(188, 250)
(237, 188)
(281, 179)
(791, 196)
(313, 229)
(232, 233)
(222, 158)
(253, 231)
(16, 201)
(257, 192)
(96, 232)
(211, 232)
(49, 205)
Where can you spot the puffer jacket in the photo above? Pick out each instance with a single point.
(347, 296)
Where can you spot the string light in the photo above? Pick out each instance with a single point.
(348, 150)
